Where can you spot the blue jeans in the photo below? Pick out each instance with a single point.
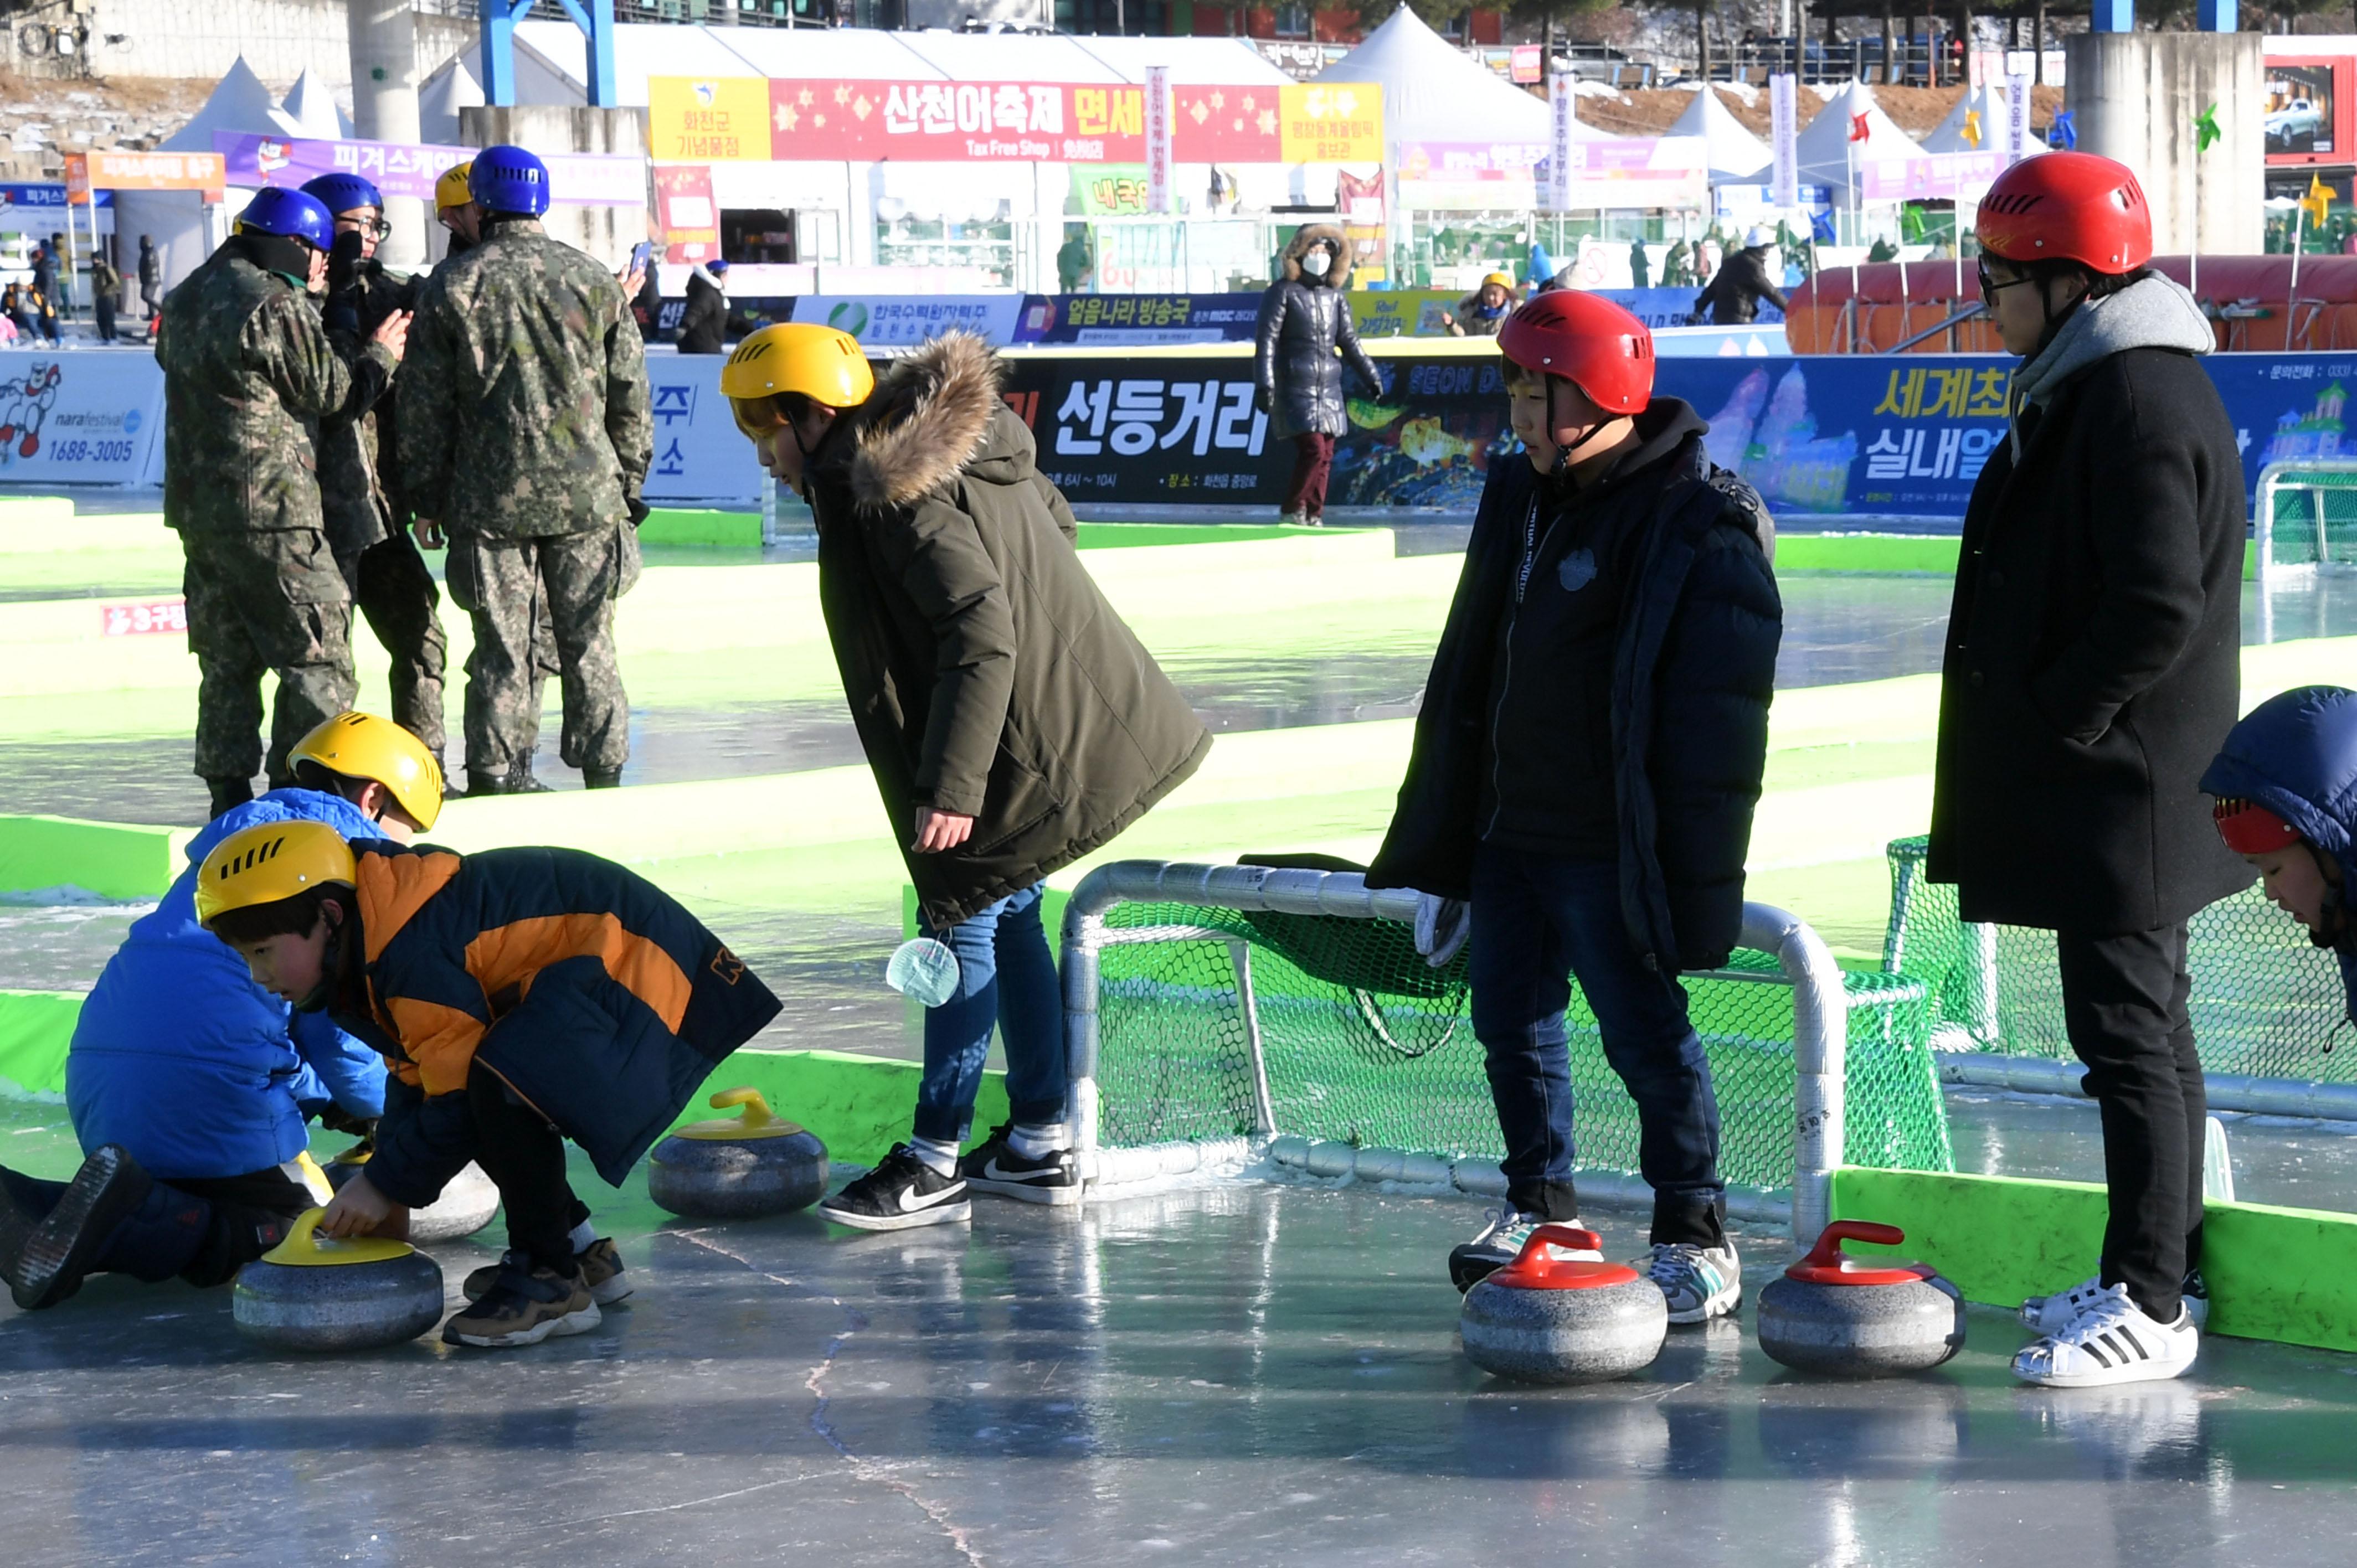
(1538, 921)
(1006, 979)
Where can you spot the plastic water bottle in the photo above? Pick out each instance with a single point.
(924, 971)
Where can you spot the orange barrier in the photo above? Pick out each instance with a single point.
(1826, 317)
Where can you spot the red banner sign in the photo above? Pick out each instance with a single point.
(166, 617)
(963, 122)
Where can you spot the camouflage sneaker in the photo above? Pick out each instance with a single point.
(1697, 1283)
(525, 1304)
(601, 1270)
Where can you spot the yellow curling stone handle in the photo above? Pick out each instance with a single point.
(757, 1121)
(306, 1249)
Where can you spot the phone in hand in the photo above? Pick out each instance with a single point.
(642, 255)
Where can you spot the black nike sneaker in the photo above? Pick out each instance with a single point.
(901, 1194)
(1053, 1178)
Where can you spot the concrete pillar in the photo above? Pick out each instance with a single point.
(2134, 97)
(608, 234)
(383, 35)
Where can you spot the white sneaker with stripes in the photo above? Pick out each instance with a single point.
(2051, 1313)
(2110, 1341)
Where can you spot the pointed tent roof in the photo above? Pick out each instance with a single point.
(1432, 92)
(310, 105)
(1827, 153)
(1989, 103)
(438, 102)
(240, 104)
(1736, 154)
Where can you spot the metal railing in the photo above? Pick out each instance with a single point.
(1820, 1038)
(2307, 549)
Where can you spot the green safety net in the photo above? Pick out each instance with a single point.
(2312, 516)
(1366, 1044)
(2265, 1002)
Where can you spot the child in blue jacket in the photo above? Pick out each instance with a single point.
(189, 1086)
(2286, 785)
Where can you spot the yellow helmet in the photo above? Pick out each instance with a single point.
(825, 366)
(453, 189)
(1501, 280)
(268, 864)
(361, 745)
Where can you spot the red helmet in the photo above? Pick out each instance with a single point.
(2250, 828)
(1587, 341)
(2072, 207)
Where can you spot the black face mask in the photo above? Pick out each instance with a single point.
(290, 259)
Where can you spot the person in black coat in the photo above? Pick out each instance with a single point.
(1586, 761)
(2093, 667)
(703, 327)
(1733, 296)
(1305, 318)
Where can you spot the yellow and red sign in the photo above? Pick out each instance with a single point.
(86, 172)
(1341, 122)
(708, 119)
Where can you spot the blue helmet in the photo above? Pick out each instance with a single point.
(509, 180)
(344, 192)
(291, 214)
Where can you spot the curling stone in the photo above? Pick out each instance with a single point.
(310, 1292)
(738, 1167)
(465, 1206)
(1543, 1319)
(1851, 1317)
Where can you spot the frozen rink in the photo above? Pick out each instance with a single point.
(1247, 1374)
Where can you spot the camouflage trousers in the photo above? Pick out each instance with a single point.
(265, 602)
(541, 606)
(393, 589)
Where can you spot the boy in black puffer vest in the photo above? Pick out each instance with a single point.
(1586, 761)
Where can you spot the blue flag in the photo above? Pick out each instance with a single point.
(1821, 227)
(2062, 134)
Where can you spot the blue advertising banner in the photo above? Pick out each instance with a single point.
(1086, 319)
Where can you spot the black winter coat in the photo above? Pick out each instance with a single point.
(2093, 659)
(1301, 382)
(1735, 291)
(703, 326)
(1693, 673)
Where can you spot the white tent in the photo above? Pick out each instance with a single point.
(1989, 105)
(310, 105)
(176, 217)
(1827, 155)
(449, 89)
(1737, 156)
(1432, 92)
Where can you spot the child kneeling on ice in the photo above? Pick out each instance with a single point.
(188, 1085)
(521, 996)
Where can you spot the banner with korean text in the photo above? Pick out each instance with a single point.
(408, 168)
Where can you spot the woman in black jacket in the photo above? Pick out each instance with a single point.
(703, 326)
(1305, 317)
(2093, 668)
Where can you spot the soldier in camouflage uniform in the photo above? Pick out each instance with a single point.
(525, 433)
(358, 483)
(248, 374)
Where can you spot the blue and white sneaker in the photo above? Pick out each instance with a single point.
(1697, 1283)
(1500, 1241)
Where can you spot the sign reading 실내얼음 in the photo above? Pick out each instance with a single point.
(753, 119)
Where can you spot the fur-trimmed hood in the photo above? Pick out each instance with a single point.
(935, 414)
(1308, 238)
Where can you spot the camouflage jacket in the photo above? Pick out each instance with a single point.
(358, 485)
(524, 409)
(248, 374)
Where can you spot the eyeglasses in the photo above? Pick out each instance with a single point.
(1990, 286)
(374, 228)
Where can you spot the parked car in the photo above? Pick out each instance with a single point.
(2295, 127)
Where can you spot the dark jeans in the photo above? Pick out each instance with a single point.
(202, 1229)
(1313, 461)
(524, 1157)
(1538, 921)
(1006, 978)
(2124, 1003)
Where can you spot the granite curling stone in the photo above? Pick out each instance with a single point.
(738, 1167)
(311, 1293)
(1852, 1318)
(465, 1206)
(1548, 1319)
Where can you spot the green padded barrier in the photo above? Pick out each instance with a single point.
(673, 525)
(113, 859)
(2286, 1274)
(1880, 553)
(35, 1028)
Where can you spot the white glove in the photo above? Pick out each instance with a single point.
(1441, 927)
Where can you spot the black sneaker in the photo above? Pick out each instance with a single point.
(526, 1304)
(1053, 1178)
(1499, 1242)
(898, 1194)
(64, 1247)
